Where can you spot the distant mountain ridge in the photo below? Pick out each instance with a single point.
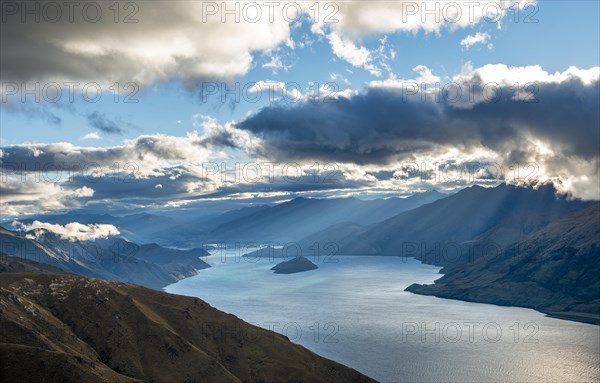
(284, 222)
(502, 215)
(111, 259)
(139, 227)
(300, 217)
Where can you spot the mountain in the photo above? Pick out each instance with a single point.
(326, 242)
(191, 229)
(320, 246)
(179, 263)
(284, 222)
(139, 228)
(60, 328)
(555, 270)
(271, 253)
(438, 232)
(300, 217)
(112, 259)
(10, 264)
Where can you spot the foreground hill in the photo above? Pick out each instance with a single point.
(10, 264)
(555, 270)
(113, 259)
(61, 328)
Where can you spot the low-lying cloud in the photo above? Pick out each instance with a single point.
(73, 231)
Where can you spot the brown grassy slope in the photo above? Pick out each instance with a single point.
(62, 328)
(10, 264)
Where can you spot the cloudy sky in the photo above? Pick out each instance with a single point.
(161, 105)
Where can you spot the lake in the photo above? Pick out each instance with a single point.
(354, 310)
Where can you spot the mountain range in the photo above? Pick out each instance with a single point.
(501, 215)
(285, 222)
(473, 234)
(115, 259)
(300, 217)
(507, 245)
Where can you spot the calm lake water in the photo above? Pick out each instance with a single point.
(355, 311)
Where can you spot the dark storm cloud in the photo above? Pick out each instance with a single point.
(223, 138)
(141, 153)
(123, 185)
(382, 126)
(175, 183)
(102, 123)
(382, 175)
(301, 184)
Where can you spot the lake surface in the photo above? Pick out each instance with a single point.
(354, 310)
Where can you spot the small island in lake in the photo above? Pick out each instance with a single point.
(294, 265)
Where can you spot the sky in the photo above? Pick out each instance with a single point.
(161, 105)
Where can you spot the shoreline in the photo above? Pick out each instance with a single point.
(579, 317)
(573, 316)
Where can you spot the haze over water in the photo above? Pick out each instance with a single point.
(355, 311)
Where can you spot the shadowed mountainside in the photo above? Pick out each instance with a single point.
(138, 228)
(111, 259)
(296, 219)
(555, 270)
(501, 215)
(283, 222)
(10, 264)
(60, 328)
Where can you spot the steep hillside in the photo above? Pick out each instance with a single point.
(112, 259)
(555, 270)
(139, 228)
(58, 328)
(10, 264)
(503, 215)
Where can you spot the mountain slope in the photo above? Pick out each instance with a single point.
(326, 242)
(139, 228)
(296, 219)
(58, 328)
(10, 264)
(112, 259)
(284, 222)
(503, 215)
(555, 270)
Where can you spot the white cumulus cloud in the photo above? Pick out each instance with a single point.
(477, 38)
(73, 231)
(90, 136)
